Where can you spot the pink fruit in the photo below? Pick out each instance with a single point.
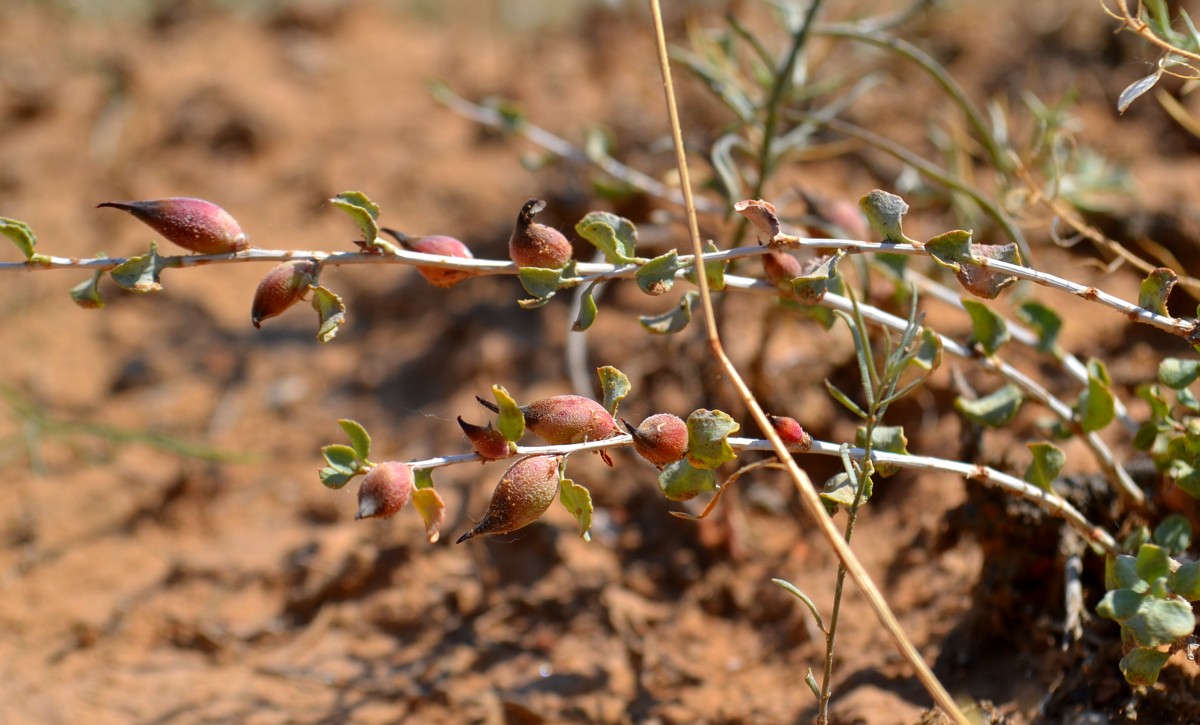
(781, 268)
(194, 224)
(565, 419)
(284, 286)
(385, 490)
(524, 493)
(790, 431)
(537, 245)
(660, 439)
(488, 442)
(436, 244)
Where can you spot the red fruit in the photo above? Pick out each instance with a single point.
(488, 442)
(284, 286)
(194, 224)
(537, 245)
(565, 419)
(437, 244)
(790, 431)
(385, 490)
(781, 268)
(660, 439)
(524, 493)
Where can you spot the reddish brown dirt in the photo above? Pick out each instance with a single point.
(138, 585)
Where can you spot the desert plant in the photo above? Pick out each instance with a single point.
(894, 356)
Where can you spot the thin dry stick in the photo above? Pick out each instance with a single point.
(803, 485)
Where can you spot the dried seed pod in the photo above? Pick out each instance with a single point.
(537, 245)
(488, 442)
(282, 287)
(781, 268)
(524, 493)
(790, 431)
(436, 244)
(194, 224)
(385, 490)
(660, 439)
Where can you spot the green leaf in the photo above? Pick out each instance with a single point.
(1174, 533)
(362, 210)
(1155, 289)
(359, 439)
(577, 500)
(950, 249)
(615, 385)
(811, 681)
(342, 458)
(657, 276)
(987, 328)
(429, 504)
(1153, 562)
(1096, 408)
(613, 235)
(929, 353)
(1045, 322)
(673, 321)
(1120, 572)
(1142, 665)
(540, 282)
(844, 399)
(422, 478)
(714, 270)
(1187, 400)
(334, 478)
(840, 490)
(681, 481)
(140, 274)
(511, 423)
(1186, 581)
(707, 434)
(331, 313)
(87, 294)
(1047, 461)
(886, 438)
(1178, 374)
(795, 592)
(884, 213)
(1161, 621)
(954, 249)
(1120, 605)
(814, 283)
(587, 309)
(992, 411)
(21, 235)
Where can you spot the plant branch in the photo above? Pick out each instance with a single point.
(1048, 501)
(803, 485)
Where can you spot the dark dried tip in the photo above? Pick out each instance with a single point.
(488, 404)
(464, 537)
(401, 238)
(530, 209)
